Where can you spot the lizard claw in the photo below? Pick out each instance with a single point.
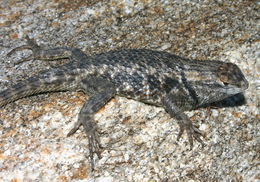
(193, 133)
(74, 129)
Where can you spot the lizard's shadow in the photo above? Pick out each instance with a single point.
(232, 101)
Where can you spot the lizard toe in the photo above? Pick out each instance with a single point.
(94, 147)
(74, 129)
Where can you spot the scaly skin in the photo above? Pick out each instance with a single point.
(158, 78)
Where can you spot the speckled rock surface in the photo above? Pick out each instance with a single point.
(139, 140)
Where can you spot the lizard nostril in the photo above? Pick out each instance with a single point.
(245, 84)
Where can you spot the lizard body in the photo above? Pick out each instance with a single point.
(159, 78)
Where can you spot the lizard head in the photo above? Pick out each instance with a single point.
(232, 78)
(211, 81)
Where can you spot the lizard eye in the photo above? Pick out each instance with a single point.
(225, 72)
(225, 83)
(223, 76)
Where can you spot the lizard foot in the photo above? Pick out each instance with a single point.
(93, 140)
(31, 45)
(192, 132)
(94, 147)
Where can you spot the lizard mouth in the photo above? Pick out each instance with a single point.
(232, 90)
(235, 87)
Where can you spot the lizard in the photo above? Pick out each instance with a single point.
(154, 77)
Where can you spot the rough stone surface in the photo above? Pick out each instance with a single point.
(139, 140)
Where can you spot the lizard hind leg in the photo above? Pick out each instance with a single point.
(40, 53)
(31, 45)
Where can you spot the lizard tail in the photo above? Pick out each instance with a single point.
(46, 82)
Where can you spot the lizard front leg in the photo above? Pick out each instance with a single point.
(184, 122)
(104, 92)
(40, 53)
